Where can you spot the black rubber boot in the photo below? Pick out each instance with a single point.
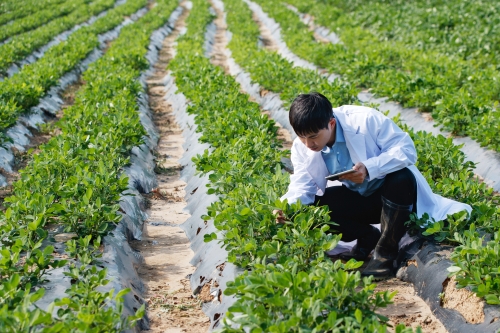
(392, 223)
(363, 247)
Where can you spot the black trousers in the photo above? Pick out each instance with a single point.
(354, 213)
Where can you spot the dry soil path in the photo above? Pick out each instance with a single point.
(166, 250)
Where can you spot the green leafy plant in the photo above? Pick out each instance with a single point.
(288, 277)
(76, 181)
(22, 45)
(423, 55)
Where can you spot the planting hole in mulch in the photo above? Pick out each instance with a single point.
(462, 300)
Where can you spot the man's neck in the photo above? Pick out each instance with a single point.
(331, 142)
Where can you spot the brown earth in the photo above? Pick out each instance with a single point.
(171, 306)
(408, 308)
(464, 301)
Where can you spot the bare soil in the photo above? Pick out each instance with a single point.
(464, 301)
(408, 308)
(171, 306)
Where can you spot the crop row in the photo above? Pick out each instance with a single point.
(465, 29)
(27, 8)
(277, 74)
(41, 17)
(461, 96)
(23, 44)
(9, 6)
(289, 284)
(76, 181)
(442, 164)
(24, 89)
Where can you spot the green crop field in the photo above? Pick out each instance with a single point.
(440, 57)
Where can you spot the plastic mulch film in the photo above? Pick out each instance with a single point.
(271, 102)
(119, 258)
(122, 260)
(427, 271)
(487, 161)
(321, 31)
(18, 65)
(209, 258)
(410, 249)
(210, 35)
(52, 102)
(283, 50)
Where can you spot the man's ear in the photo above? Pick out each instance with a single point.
(333, 122)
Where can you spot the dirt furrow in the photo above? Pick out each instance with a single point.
(164, 246)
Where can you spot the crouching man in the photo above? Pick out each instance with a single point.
(385, 188)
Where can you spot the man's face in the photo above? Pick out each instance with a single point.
(317, 141)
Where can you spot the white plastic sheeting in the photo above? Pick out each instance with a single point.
(119, 258)
(321, 31)
(209, 258)
(487, 161)
(18, 65)
(52, 102)
(270, 102)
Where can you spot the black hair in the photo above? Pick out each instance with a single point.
(310, 113)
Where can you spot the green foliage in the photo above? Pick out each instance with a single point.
(273, 72)
(477, 263)
(39, 18)
(82, 251)
(362, 61)
(449, 174)
(76, 180)
(16, 312)
(441, 230)
(22, 45)
(26, 8)
(423, 54)
(24, 89)
(288, 276)
(276, 298)
(86, 309)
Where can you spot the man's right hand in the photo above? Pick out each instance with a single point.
(280, 217)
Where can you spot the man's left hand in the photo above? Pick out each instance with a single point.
(356, 177)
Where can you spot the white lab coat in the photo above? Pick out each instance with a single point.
(377, 142)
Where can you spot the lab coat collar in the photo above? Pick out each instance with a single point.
(355, 140)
